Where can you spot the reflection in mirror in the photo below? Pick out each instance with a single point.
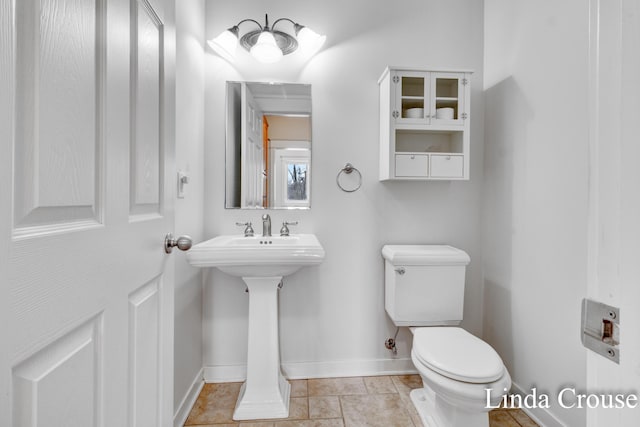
(268, 145)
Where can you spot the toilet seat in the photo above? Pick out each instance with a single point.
(457, 354)
(472, 397)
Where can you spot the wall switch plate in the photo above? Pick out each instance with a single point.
(183, 179)
(601, 329)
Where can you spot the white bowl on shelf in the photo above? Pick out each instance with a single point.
(414, 113)
(444, 113)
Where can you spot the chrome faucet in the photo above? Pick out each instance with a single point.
(266, 225)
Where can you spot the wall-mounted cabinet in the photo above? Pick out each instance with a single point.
(424, 124)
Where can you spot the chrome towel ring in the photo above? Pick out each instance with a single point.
(348, 169)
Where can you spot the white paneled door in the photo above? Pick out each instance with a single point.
(86, 197)
(252, 158)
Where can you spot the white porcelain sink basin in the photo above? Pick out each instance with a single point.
(261, 262)
(258, 256)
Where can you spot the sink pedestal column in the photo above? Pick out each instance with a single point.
(265, 394)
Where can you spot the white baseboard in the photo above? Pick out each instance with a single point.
(541, 416)
(182, 412)
(348, 368)
(305, 370)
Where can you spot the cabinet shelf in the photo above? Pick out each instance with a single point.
(429, 141)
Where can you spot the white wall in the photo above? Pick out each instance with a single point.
(332, 317)
(536, 187)
(189, 211)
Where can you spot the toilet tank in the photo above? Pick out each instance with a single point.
(424, 284)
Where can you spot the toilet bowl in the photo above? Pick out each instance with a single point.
(463, 377)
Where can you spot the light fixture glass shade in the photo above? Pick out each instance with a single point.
(266, 49)
(225, 45)
(309, 41)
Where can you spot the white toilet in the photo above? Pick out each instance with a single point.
(424, 289)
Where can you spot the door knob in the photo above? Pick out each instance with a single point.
(183, 243)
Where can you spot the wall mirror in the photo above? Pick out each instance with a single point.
(268, 146)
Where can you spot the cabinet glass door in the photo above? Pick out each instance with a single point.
(412, 95)
(447, 103)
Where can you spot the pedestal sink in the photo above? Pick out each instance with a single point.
(261, 262)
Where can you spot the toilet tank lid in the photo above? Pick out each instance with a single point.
(425, 255)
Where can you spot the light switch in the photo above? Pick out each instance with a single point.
(183, 179)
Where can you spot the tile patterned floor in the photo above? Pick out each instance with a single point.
(335, 402)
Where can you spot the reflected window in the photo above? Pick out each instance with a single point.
(297, 182)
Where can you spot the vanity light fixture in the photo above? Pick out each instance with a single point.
(266, 44)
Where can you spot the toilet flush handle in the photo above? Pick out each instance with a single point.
(400, 270)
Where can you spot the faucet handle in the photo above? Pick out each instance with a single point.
(248, 231)
(284, 231)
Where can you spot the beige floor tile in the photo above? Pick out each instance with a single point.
(410, 408)
(375, 410)
(522, 418)
(335, 402)
(217, 425)
(337, 422)
(242, 424)
(379, 385)
(336, 386)
(298, 408)
(214, 405)
(416, 418)
(324, 407)
(298, 388)
(500, 418)
(405, 383)
(254, 424)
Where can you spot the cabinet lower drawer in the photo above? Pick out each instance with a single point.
(447, 166)
(408, 165)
